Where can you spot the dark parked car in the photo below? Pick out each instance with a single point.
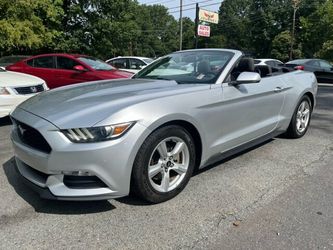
(321, 68)
(9, 60)
(64, 69)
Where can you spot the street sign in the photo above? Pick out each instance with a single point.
(208, 16)
(203, 30)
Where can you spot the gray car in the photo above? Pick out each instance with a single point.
(322, 69)
(147, 135)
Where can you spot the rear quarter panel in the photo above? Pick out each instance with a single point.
(297, 84)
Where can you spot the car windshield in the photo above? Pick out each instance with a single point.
(148, 60)
(201, 67)
(96, 64)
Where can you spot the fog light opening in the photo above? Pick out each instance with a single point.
(77, 173)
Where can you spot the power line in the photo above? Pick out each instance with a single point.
(158, 2)
(189, 4)
(194, 7)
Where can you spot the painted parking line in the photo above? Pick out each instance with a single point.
(325, 84)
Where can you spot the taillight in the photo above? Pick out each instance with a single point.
(300, 67)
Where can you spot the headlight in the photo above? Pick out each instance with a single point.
(4, 91)
(97, 134)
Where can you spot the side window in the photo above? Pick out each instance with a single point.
(30, 62)
(314, 63)
(66, 63)
(270, 63)
(119, 63)
(136, 64)
(278, 63)
(44, 62)
(326, 65)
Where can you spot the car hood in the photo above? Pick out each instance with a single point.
(84, 105)
(14, 79)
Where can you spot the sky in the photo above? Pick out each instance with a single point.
(188, 6)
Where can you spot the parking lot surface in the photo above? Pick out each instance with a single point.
(275, 196)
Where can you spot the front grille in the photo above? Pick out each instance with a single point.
(30, 89)
(32, 137)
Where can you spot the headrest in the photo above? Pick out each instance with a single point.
(203, 67)
(246, 64)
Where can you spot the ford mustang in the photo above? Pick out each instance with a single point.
(147, 135)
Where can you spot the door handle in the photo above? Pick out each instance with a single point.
(278, 89)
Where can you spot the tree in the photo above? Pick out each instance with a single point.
(188, 33)
(317, 28)
(326, 52)
(29, 25)
(280, 47)
(234, 23)
(102, 28)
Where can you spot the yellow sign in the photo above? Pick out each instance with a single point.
(208, 16)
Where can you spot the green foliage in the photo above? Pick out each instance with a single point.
(317, 28)
(281, 47)
(108, 28)
(326, 52)
(29, 24)
(234, 23)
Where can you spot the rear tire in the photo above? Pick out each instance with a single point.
(164, 164)
(300, 121)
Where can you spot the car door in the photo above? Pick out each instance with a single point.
(250, 110)
(314, 66)
(66, 74)
(42, 67)
(327, 73)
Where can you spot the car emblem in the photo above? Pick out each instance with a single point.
(33, 89)
(21, 129)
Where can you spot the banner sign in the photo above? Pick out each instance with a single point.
(203, 30)
(208, 16)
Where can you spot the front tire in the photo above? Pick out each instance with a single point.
(301, 119)
(164, 164)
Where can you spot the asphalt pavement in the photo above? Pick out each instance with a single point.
(278, 195)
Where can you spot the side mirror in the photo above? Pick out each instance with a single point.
(80, 68)
(247, 78)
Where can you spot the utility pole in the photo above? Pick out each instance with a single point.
(196, 25)
(181, 25)
(295, 4)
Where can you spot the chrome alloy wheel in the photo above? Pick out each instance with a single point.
(303, 117)
(168, 164)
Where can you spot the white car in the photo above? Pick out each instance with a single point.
(131, 64)
(16, 88)
(269, 62)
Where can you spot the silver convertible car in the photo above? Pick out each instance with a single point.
(147, 135)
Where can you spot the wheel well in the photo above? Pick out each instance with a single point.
(310, 95)
(189, 127)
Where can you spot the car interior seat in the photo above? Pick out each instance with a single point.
(203, 67)
(264, 70)
(245, 65)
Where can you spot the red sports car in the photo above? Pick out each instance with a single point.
(64, 69)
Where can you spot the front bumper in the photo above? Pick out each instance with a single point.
(110, 161)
